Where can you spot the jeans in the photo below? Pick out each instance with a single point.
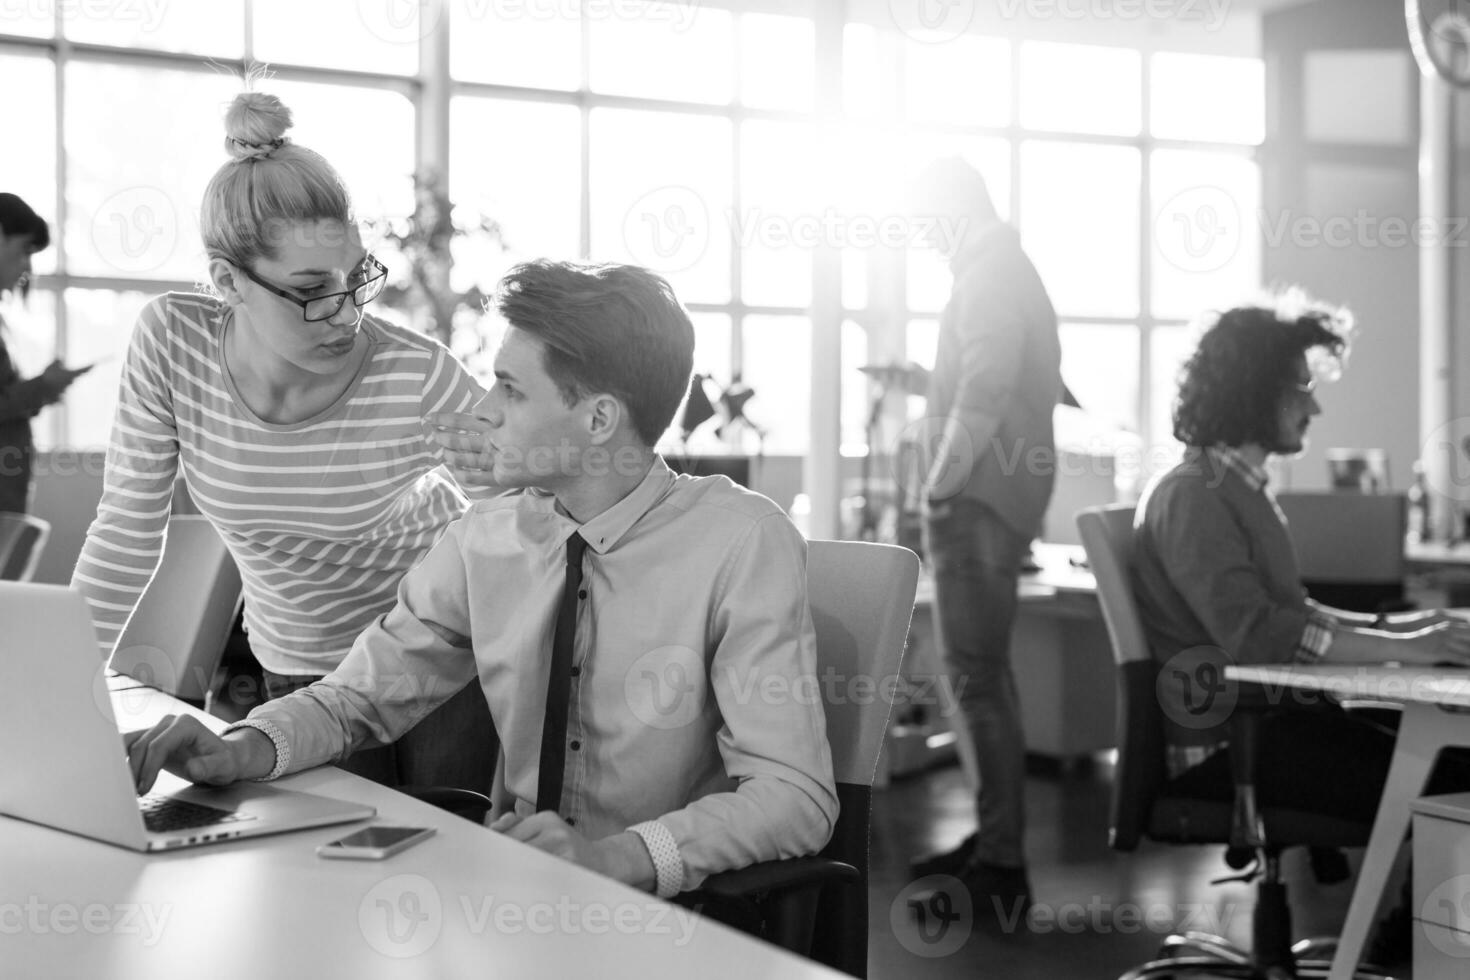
(977, 559)
(455, 745)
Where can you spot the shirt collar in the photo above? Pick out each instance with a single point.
(604, 531)
(1230, 457)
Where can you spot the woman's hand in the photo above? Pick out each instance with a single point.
(464, 443)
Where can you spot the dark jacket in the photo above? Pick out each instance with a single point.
(20, 400)
(999, 356)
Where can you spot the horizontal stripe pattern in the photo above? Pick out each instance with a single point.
(322, 518)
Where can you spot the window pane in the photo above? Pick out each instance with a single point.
(965, 80)
(536, 197)
(855, 277)
(534, 44)
(1204, 97)
(666, 210)
(376, 36)
(31, 174)
(135, 175)
(869, 82)
(30, 337)
(1083, 234)
(778, 365)
(857, 391)
(781, 221)
(657, 50)
(1207, 243)
(1100, 366)
(99, 325)
(1169, 348)
(921, 344)
(777, 62)
(929, 279)
(196, 26)
(32, 19)
(1081, 88)
(712, 333)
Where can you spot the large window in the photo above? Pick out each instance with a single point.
(689, 137)
(122, 116)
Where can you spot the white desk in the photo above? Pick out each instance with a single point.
(466, 902)
(1435, 703)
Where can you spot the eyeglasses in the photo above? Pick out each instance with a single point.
(1307, 388)
(319, 308)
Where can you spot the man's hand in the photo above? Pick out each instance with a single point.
(1446, 642)
(182, 745)
(464, 442)
(622, 857)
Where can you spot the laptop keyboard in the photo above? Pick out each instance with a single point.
(165, 813)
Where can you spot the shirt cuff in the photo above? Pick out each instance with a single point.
(1316, 638)
(278, 739)
(664, 850)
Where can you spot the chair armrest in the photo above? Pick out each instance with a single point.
(769, 876)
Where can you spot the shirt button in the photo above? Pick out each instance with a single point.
(576, 745)
(571, 821)
(582, 594)
(576, 671)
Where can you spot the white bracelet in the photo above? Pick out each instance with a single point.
(270, 731)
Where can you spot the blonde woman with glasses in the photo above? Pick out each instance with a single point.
(296, 422)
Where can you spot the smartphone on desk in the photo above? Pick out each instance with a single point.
(374, 843)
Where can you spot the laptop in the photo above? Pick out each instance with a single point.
(66, 767)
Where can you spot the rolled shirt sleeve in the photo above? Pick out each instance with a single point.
(407, 663)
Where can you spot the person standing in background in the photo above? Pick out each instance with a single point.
(22, 233)
(996, 382)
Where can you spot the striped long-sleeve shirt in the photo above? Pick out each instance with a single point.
(322, 516)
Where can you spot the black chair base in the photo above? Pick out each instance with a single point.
(1199, 954)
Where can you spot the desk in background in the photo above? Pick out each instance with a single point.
(1061, 656)
(1435, 703)
(466, 902)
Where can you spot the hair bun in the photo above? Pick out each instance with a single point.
(255, 125)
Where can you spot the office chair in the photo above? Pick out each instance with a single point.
(178, 630)
(862, 598)
(1143, 804)
(1350, 547)
(22, 539)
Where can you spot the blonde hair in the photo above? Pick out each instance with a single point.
(269, 184)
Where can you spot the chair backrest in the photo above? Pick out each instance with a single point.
(1107, 537)
(22, 539)
(1363, 569)
(862, 599)
(178, 630)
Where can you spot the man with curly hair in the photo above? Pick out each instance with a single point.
(1214, 569)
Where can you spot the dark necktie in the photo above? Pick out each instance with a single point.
(559, 684)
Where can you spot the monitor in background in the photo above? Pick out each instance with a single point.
(737, 468)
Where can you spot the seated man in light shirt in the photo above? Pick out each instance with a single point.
(665, 766)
